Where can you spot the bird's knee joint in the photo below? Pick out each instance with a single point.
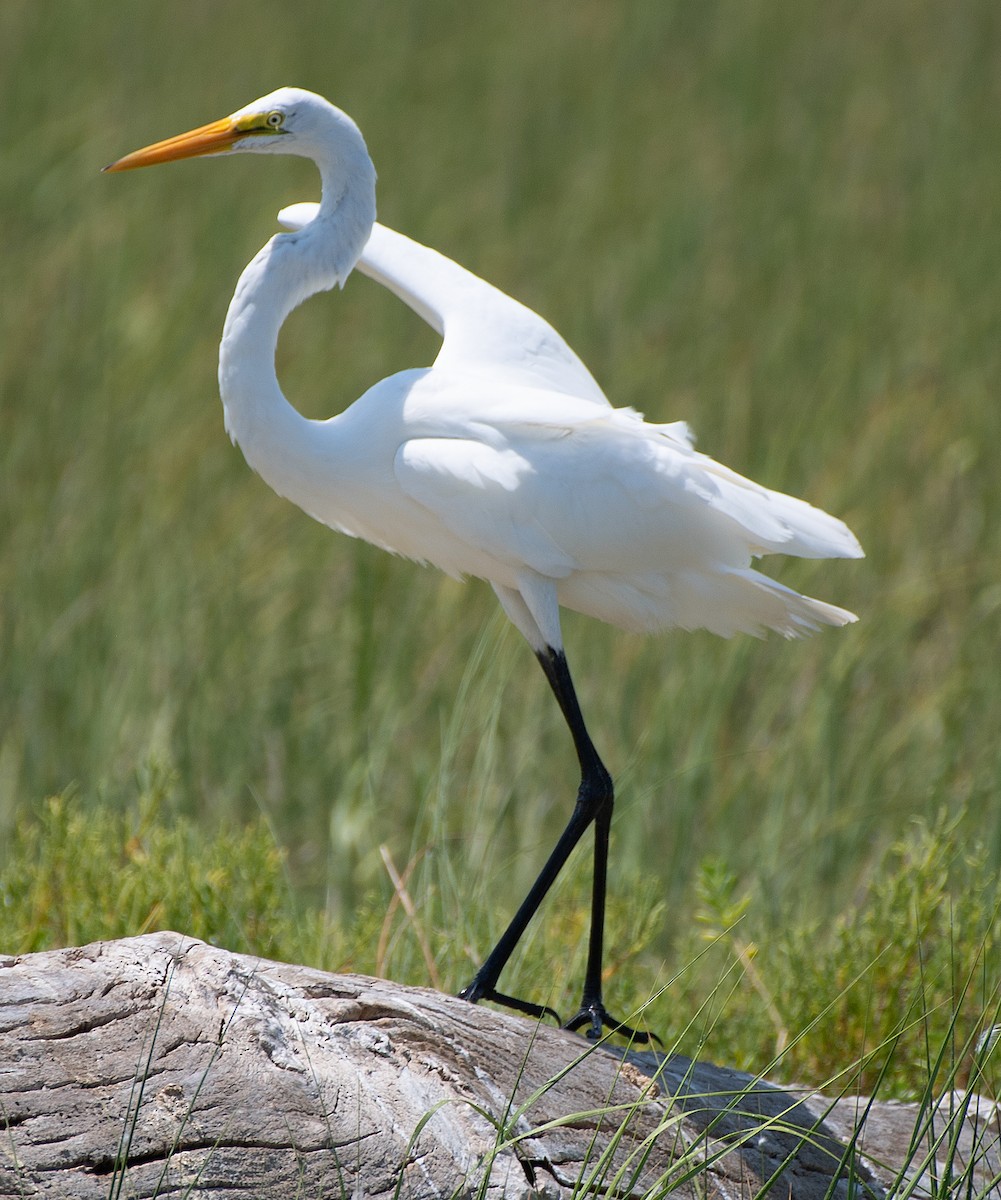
(596, 795)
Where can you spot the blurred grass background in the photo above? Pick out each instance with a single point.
(778, 220)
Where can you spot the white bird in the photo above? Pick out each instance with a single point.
(504, 460)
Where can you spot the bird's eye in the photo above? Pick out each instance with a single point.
(275, 120)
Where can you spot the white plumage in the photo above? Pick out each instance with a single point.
(503, 460)
(510, 444)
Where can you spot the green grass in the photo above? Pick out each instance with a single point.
(776, 220)
(895, 991)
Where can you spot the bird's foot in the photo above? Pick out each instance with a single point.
(596, 1017)
(475, 992)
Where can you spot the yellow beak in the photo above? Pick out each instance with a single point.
(206, 139)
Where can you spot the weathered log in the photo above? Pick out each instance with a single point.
(161, 1066)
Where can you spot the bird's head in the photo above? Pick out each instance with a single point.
(287, 121)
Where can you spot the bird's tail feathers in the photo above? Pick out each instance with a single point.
(767, 604)
(725, 601)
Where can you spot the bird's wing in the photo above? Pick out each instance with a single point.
(480, 326)
(776, 523)
(536, 479)
(550, 484)
(478, 492)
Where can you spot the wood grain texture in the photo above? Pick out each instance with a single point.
(161, 1066)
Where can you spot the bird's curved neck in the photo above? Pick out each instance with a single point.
(292, 267)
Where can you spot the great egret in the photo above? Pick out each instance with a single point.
(504, 460)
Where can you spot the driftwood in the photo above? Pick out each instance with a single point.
(161, 1066)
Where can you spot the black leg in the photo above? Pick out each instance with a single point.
(595, 798)
(592, 1012)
